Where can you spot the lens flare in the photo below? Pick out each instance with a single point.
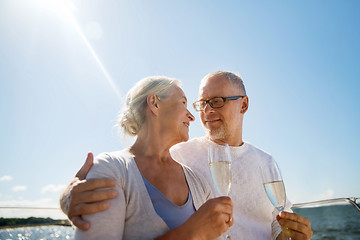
(65, 9)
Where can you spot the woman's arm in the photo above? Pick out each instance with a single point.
(108, 224)
(79, 197)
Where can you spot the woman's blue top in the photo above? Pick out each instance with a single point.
(172, 214)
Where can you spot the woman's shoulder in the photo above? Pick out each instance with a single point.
(193, 174)
(118, 159)
(123, 156)
(111, 164)
(195, 178)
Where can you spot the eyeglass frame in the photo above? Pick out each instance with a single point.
(208, 102)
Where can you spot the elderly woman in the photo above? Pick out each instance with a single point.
(158, 197)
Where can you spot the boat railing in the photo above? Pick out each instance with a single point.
(351, 200)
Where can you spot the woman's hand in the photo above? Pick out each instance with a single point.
(211, 220)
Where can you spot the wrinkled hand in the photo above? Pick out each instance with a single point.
(211, 220)
(214, 217)
(80, 197)
(294, 226)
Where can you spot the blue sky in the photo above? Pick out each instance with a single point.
(66, 65)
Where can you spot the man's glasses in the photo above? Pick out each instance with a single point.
(216, 102)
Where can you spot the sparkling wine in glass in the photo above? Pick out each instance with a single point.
(274, 185)
(220, 168)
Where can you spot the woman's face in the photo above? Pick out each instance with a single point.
(174, 116)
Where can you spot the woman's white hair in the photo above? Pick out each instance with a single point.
(133, 116)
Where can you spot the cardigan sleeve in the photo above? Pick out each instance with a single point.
(199, 187)
(108, 224)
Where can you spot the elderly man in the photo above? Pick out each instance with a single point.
(222, 104)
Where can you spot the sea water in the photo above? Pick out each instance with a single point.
(339, 222)
(37, 233)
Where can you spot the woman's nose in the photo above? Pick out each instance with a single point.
(190, 116)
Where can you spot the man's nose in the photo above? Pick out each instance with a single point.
(208, 108)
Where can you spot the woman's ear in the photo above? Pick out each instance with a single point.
(153, 103)
(244, 104)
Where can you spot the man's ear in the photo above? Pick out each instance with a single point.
(244, 105)
(153, 103)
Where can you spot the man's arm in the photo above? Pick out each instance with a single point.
(210, 221)
(294, 226)
(79, 197)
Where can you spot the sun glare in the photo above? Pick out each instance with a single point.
(62, 8)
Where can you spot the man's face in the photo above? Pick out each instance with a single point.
(223, 123)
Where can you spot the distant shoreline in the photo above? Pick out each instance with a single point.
(34, 225)
(31, 222)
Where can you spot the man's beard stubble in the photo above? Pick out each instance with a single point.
(219, 133)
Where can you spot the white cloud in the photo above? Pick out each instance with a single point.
(52, 188)
(6, 178)
(19, 188)
(326, 195)
(44, 202)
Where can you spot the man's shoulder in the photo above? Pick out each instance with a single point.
(257, 151)
(190, 152)
(194, 142)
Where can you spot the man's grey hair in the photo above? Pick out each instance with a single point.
(232, 77)
(133, 116)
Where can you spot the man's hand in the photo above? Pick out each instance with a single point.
(294, 226)
(80, 197)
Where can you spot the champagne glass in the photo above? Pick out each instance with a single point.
(274, 185)
(220, 168)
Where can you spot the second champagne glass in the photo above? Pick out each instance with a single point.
(220, 168)
(274, 185)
